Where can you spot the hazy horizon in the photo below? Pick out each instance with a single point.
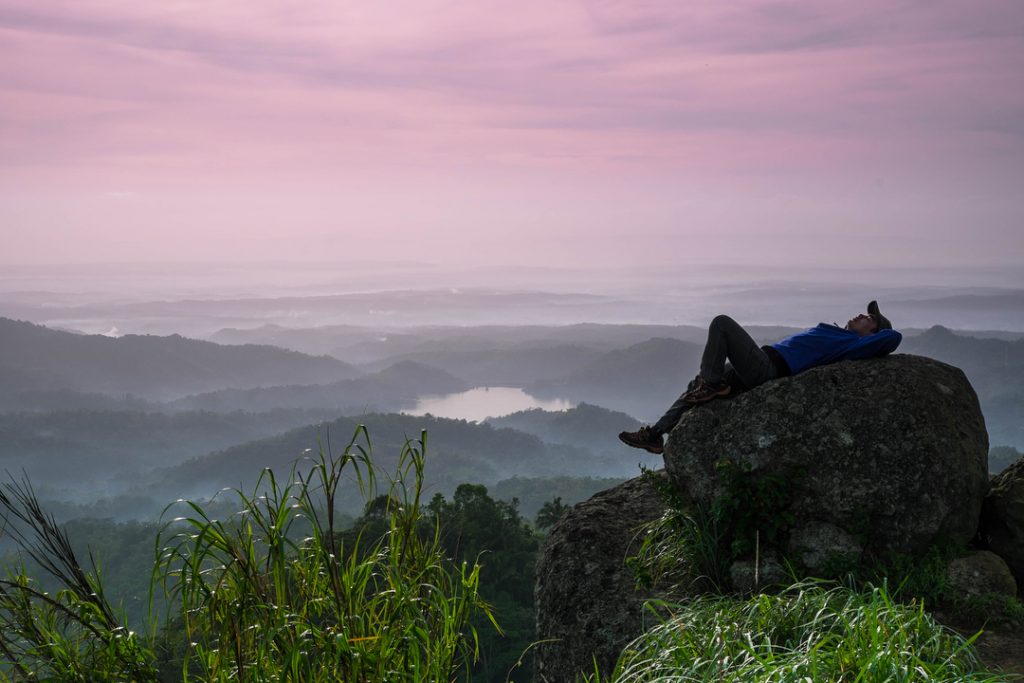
(202, 299)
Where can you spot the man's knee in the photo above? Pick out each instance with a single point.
(722, 321)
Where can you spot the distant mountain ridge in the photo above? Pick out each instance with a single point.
(1010, 301)
(641, 380)
(36, 358)
(994, 366)
(379, 346)
(585, 425)
(393, 388)
(504, 367)
(109, 450)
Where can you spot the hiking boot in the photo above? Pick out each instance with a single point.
(646, 438)
(706, 391)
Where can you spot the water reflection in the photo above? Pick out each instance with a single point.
(478, 404)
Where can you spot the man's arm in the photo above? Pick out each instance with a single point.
(880, 343)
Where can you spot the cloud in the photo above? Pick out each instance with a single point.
(732, 102)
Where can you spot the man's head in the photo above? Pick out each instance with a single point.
(870, 322)
(862, 324)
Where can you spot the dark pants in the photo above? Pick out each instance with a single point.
(730, 355)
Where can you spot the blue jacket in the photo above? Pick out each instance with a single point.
(828, 343)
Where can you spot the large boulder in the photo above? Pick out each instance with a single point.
(588, 605)
(980, 572)
(861, 456)
(1003, 518)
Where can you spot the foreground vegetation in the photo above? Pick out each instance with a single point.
(851, 628)
(274, 584)
(808, 632)
(274, 593)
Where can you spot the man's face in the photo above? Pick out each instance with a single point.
(862, 324)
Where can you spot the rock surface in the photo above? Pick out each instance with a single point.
(1003, 518)
(758, 575)
(876, 455)
(979, 573)
(587, 602)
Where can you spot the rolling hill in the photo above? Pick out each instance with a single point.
(391, 389)
(86, 451)
(640, 380)
(585, 425)
(38, 359)
(458, 452)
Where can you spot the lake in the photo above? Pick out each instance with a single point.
(478, 404)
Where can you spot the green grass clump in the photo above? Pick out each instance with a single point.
(810, 632)
(679, 553)
(274, 592)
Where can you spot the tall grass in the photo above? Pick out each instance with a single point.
(271, 594)
(813, 631)
(810, 632)
(680, 553)
(73, 634)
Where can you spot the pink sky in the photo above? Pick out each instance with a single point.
(504, 132)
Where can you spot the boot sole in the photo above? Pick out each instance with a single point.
(657, 450)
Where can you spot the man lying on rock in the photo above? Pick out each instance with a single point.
(733, 362)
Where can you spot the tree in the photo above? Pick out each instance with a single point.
(550, 513)
(477, 528)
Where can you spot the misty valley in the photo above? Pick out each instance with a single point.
(521, 422)
(94, 418)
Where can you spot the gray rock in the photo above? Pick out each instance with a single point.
(816, 544)
(882, 454)
(587, 604)
(979, 573)
(758, 575)
(1003, 518)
